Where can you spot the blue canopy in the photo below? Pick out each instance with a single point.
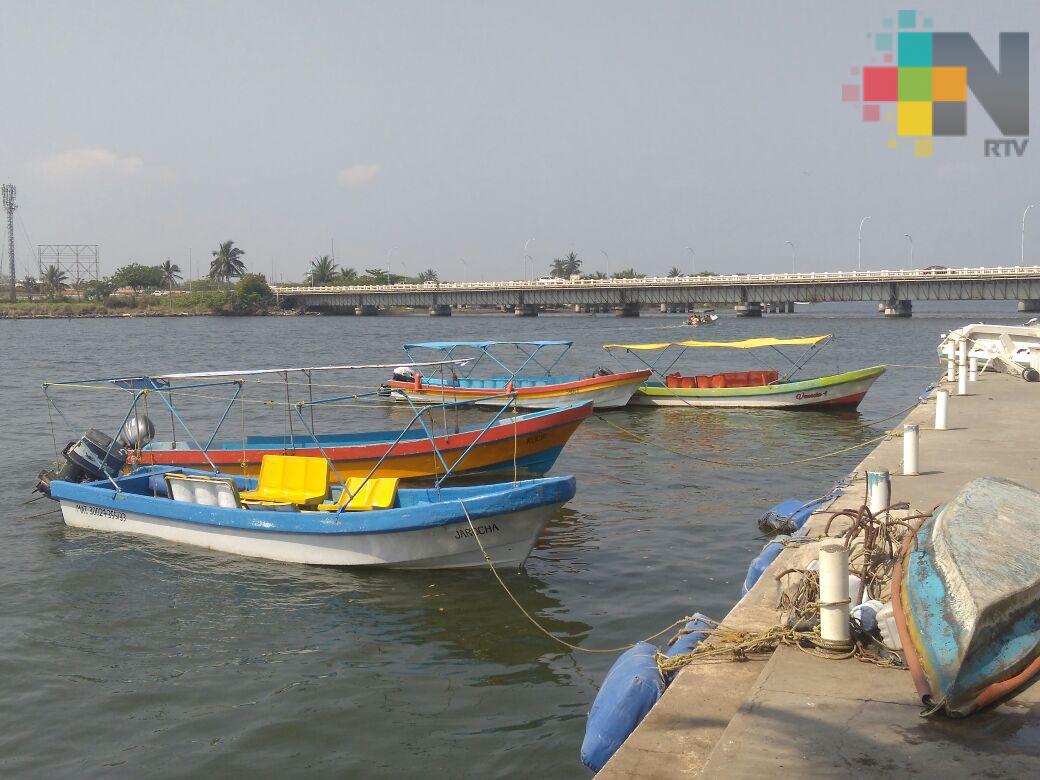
(445, 345)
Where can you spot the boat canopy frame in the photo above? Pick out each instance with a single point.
(529, 349)
(665, 349)
(163, 386)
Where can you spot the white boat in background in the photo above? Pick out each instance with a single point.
(994, 346)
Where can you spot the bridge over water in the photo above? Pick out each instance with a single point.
(749, 294)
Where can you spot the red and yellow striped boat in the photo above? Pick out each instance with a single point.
(603, 389)
(532, 441)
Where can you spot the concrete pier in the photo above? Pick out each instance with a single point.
(526, 310)
(440, 310)
(899, 309)
(368, 310)
(628, 310)
(1029, 305)
(749, 309)
(798, 716)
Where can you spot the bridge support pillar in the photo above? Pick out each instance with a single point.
(368, 310)
(440, 310)
(344, 311)
(526, 310)
(789, 307)
(628, 310)
(749, 309)
(899, 309)
(1029, 305)
(507, 308)
(664, 308)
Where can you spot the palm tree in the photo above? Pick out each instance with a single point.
(674, 272)
(171, 274)
(565, 268)
(30, 285)
(323, 270)
(429, 275)
(348, 276)
(227, 262)
(54, 280)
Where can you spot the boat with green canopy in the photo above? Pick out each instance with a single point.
(765, 388)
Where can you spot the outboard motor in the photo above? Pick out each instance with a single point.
(404, 374)
(401, 374)
(95, 456)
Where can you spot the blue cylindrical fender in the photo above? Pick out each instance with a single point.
(691, 635)
(762, 561)
(790, 515)
(632, 686)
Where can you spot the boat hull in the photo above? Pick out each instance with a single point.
(840, 390)
(430, 529)
(965, 599)
(984, 343)
(508, 540)
(531, 446)
(607, 392)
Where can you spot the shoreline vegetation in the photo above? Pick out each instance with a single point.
(137, 290)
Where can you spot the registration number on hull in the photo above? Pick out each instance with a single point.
(101, 511)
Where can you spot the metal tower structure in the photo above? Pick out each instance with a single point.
(9, 192)
(80, 262)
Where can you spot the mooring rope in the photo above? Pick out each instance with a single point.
(538, 625)
(747, 464)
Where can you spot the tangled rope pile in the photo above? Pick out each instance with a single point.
(873, 542)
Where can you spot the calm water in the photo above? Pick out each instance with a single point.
(120, 656)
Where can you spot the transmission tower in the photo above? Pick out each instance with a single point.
(9, 206)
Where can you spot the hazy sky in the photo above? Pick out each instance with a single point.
(457, 129)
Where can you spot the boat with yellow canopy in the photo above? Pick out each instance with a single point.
(765, 389)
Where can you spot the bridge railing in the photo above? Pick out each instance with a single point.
(685, 281)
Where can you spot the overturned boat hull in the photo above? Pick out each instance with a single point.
(966, 598)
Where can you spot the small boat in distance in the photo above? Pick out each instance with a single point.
(765, 389)
(604, 389)
(704, 317)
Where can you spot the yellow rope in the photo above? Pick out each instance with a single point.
(538, 625)
(751, 463)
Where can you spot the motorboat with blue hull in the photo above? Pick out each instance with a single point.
(415, 528)
(966, 594)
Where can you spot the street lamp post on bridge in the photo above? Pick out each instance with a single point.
(859, 244)
(1022, 257)
(911, 240)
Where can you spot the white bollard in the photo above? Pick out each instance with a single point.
(951, 365)
(962, 367)
(879, 491)
(911, 439)
(973, 369)
(942, 398)
(834, 594)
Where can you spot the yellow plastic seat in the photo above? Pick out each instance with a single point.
(374, 493)
(290, 479)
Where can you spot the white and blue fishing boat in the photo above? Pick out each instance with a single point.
(300, 508)
(413, 528)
